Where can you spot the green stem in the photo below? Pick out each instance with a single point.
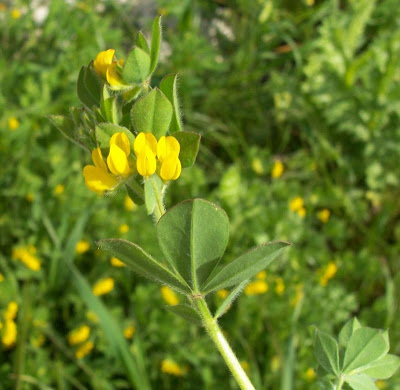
(133, 184)
(339, 383)
(158, 213)
(222, 345)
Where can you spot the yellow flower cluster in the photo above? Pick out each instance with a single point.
(324, 215)
(297, 205)
(26, 255)
(103, 286)
(102, 177)
(10, 331)
(328, 273)
(13, 123)
(277, 169)
(108, 68)
(82, 246)
(59, 189)
(169, 296)
(124, 228)
(259, 286)
(223, 293)
(310, 374)
(84, 349)
(168, 366)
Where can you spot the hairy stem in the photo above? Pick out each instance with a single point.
(159, 210)
(222, 345)
(339, 383)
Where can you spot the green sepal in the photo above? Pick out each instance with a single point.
(193, 236)
(152, 113)
(327, 352)
(141, 42)
(190, 143)
(168, 86)
(137, 67)
(110, 109)
(244, 267)
(186, 312)
(142, 263)
(104, 131)
(155, 43)
(150, 196)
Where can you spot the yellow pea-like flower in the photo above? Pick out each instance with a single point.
(113, 74)
(117, 161)
(144, 140)
(256, 288)
(11, 311)
(171, 167)
(122, 141)
(79, 335)
(166, 146)
(10, 333)
(103, 286)
(169, 296)
(102, 62)
(98, 180)
(146, 162)
(296, 203)
(98, 159)
(84, 349)
(168, 366)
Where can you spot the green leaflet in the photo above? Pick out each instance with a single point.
(245, 266)
(168, 86)
(142, 263)
(193, 237)
(137, 67)
(155, 43)
(327, 352)
(152, 113)
(186, 312)
(190, 143)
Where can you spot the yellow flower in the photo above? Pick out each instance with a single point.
(145, 148)
(277, 169)
(129, 204)
(275, 364)
(120, 150)
(79, 335)
(103, 286)
(380, 384)
(296, 203)
(113, 73)
(97, 177)
(15, 13)
(82, 246)
(84, 349)
(280, 286)
(328, 274)
(222, 293)
(124, 228)
(102, 62)
(256, 165)
(129, 332)
(11, 311)
(324, 215)
(117, 262)
(1, 277)
(310, 374)
(256, 288)
(169, 296)
(27, 256)
(262, 275)
(168, 149)
(168, 366)
(9, 334)
(59, 189)
(302, 212)
(13, 123)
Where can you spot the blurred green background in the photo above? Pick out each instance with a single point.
(298, 104)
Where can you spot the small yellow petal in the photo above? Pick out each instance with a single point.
(117, 161)
(115, 262)
(146, 162)
(98, 180)
(103, 60)
(167, 145)
(103, 286)
(113, 75)
(98, 159)
(122, 141)
(144, 140)
(169, 296)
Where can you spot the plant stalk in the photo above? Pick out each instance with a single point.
(159, 210)
(216, 335)
(339, 383)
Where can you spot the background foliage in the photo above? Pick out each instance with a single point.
(314, 86)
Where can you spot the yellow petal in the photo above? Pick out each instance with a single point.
(146, 162)
(98, 160)
(98, 180)
(167, 145)
(171, 167)
(122, 141)
(113, 75)
(103, 60)
(144, 140)
(117, 161)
